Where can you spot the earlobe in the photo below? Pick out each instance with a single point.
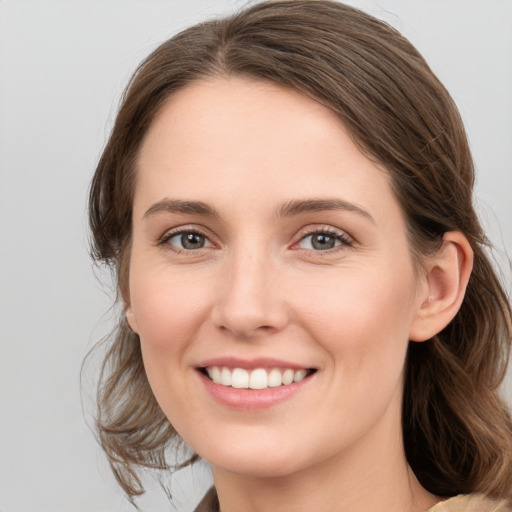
(130, 318)
(446, 281)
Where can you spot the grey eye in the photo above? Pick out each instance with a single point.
(319, 242)
(189, 240)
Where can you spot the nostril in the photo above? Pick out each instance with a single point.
(249, 304)
(246, 329)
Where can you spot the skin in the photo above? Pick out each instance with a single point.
(259, 288)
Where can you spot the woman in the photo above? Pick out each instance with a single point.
(286, 200)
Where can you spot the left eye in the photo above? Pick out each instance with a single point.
(320, 241)
(189, 240)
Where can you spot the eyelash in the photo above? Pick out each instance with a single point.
(343, 239)
(339, 236)
(164, 241)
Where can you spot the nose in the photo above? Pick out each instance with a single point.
(249, 303)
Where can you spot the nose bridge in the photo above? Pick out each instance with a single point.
(249, 302)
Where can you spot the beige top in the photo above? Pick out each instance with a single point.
(462, 503)
(470, 503)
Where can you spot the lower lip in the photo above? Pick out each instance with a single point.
(252, 399)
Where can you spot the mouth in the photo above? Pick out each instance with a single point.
(257, 378)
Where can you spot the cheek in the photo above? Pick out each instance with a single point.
(362, 323)
(168, 307)
(170, 312)
(362, 318)
(364, 300)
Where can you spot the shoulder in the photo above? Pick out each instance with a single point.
(471, 503)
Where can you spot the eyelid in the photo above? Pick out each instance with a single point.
(187, 228)
(339, 234)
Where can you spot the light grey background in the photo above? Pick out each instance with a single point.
(63, 65)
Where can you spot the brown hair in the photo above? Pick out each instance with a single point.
(457, 431)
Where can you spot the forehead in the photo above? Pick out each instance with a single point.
(224, 138)
(237, 109)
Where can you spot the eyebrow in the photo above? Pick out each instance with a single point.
(179, 206)
(298, 207)
(288, 209)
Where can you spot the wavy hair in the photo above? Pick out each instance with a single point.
(457, 431)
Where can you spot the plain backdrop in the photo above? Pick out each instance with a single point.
(63, 65)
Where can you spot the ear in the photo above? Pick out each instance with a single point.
(443, 286)
(130, 318)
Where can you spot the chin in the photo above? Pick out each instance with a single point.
(256, 460)
(256, 467)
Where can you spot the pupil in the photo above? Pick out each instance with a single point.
(323, 242)
(192, 241)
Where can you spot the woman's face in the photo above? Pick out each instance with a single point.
(267, 248)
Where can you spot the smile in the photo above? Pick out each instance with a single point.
(258, 378)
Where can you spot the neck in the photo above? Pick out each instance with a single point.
(324, 491)
(372, 475)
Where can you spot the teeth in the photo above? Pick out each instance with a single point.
(299, 375)
(225, 377)
(215, 374)
(288, 376)
(259, 378)
(275, 378)
(240, 378)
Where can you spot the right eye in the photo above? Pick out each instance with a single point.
(187, 240)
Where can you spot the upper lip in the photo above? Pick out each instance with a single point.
(250, 364)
